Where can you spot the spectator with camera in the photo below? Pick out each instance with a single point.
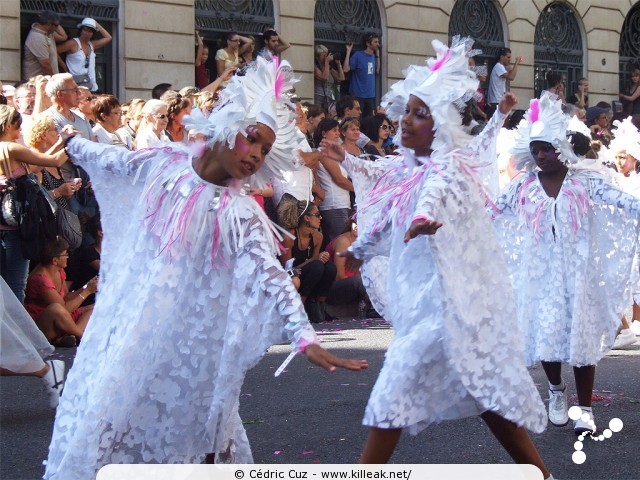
(327, 75)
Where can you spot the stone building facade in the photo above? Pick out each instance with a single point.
(154, 39)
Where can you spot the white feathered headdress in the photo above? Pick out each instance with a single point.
(626, 137)
(258, 96)
(544, 122)
(444, 84)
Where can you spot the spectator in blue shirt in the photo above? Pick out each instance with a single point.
(364, 65)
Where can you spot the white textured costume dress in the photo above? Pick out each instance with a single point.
(193, 297)
(22, 345)
(455, 352)
(571, 260)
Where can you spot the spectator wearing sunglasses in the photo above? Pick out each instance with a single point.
(85, 105)
(81, 57)
(378, 128)
(39, 53)
(151, 132)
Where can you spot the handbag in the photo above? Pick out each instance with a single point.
(8, 196)
(83, 80)
(69, 227)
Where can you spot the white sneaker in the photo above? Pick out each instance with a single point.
(558, 408)
(635, 327)
(625, 339)
(581, 426)
(54, 381)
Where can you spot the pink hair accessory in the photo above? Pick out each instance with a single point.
(534, 110)
(439, 63)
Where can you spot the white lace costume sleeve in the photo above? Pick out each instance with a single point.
(195, 299)
(455, 352)
(364, 174)
(483, 147)
(571, 259)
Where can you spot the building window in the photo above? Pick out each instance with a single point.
(558, 47)
(629, 47)
(480, 20)
(344, 21)
(72, 13)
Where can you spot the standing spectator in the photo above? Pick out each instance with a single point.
(39, 55)
(131, 123)
(555, 85)
(326, 73)
(248, 55)
(106, 109)
(580, 98)
(229, 56)
(335, 183)
(348, 106)
(378, 128)
(81, 56)
(13, 266)
(154, 121)
(499, 75)
(24, 101)
(177, 107)
(632, 99)
(159, 89)
(274, 44)
(315, 115)
(364, 66)
(85, 105)
(65, 95)
(350, 135)
(202, 55)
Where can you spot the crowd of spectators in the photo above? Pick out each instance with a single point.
(316, 203)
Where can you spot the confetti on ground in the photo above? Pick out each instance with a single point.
(245, 395)
(342, 439)
(362, 383)
(307, 452)
(598, 398)
(344, 384)
(278, 452)
(634, 401)
(316, 460)
(251, 422)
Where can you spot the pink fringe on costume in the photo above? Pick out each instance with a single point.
(439, 63)
(534, 110)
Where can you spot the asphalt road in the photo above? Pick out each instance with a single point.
(310, 416)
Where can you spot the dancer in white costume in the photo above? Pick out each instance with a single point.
(571, 237)
(194, 293)
(455, 352)
(23, 347)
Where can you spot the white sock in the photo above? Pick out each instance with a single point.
(560, 386)
(550, 477)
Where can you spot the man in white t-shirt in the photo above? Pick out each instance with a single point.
(499, 75)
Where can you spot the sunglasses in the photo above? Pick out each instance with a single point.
(161, 116)
(385, 127)
(74, 90)
(86, 61)
(317, 215)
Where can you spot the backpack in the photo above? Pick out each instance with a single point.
(37, 216)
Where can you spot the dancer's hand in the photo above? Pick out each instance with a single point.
(421, 227)
(332, 150)
(507, 102)
(318, 355)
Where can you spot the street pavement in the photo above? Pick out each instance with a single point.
(308, 415)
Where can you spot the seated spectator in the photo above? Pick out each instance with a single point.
(348, 287)
(55, 310)
(106, 109)
(177, 107)
(131, 123)
(154, 121)
(84, 263)
(316, 273)
(80, 52)
(378, 128)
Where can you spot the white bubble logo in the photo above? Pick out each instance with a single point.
(575, 413)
